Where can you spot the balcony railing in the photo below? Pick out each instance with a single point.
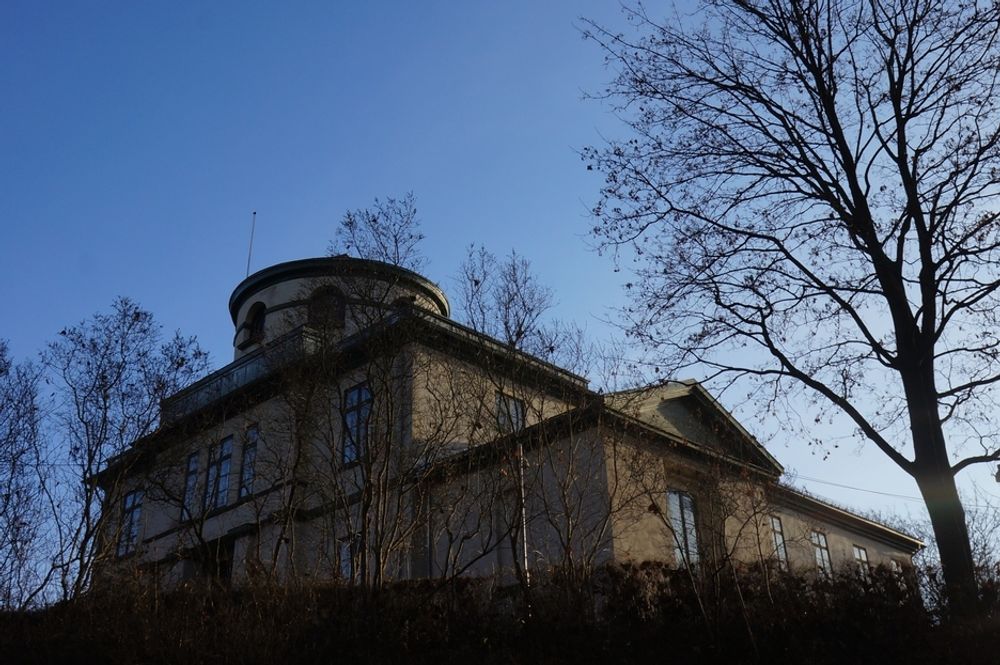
(239, 374)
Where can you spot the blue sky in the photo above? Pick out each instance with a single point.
(136, 139)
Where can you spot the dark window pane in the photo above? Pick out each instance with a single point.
(217, 477)
(247, 471)
(680, 510)
(128, 538)
(357, 415)
(510, 414)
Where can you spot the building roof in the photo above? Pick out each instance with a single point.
(334, 266)
(257, 367)
(808, 504)
(583, 418)
(642, 404)
(653, 413)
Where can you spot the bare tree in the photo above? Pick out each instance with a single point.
(351, 457)
(504, 299)
(567, 483)
(23, 477)
(110, 373)
(808, 189)
(388, 231)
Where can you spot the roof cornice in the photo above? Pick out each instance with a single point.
(807, 504)
(334, 266)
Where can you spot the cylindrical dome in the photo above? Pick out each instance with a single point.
(339, 292)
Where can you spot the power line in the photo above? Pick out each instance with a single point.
(905, 497)
(861, 489)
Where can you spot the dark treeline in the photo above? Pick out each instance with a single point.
(646, 613)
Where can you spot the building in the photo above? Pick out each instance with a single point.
(361, 434)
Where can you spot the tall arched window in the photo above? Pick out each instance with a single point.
(326, 308)
(680, 510)
(255, 321)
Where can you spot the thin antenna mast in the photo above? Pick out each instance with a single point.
(253, 227)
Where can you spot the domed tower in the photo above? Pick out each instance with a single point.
(339, 295)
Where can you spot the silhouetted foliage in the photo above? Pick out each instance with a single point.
(637, 613)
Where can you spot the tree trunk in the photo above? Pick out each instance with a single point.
(937, 485)
(936, 480)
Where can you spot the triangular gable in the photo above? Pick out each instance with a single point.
(685, 410)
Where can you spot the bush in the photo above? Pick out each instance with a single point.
(634, 613)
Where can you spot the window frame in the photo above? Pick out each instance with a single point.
(189, 500)
(357, 415)
(821, 550)
(217, 473)
(256, 320)
(248, 461)
(778, 539)
(682, 514)
(511, 413)
(861, 560)
(131, 523)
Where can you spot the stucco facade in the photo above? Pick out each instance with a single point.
(361, 434)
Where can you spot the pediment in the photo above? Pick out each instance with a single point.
(685, 411)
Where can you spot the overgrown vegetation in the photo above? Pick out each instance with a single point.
(642, 613)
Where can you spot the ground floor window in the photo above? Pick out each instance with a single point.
(822, 552)
(780, 550)
(128, 539)
(861, 559)
(680, 510)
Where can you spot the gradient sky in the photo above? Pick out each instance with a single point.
(136, 139)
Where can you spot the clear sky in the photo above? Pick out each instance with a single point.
(137, 138)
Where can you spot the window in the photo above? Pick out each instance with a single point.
(190, 486)
(255, 321)
(861, 559)
(680, 511)
(348, 549)
(218, 564)
(131, 514)
(217, 480)
(780, 551)
(822, 551)
(357, 414)
(510, 414)
(247, 472)
(326, 308)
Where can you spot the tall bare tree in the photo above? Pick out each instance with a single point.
(809, 188)
(554, 513)
(504, 299)
(22, 474)
(387, 231)
(110, 373)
